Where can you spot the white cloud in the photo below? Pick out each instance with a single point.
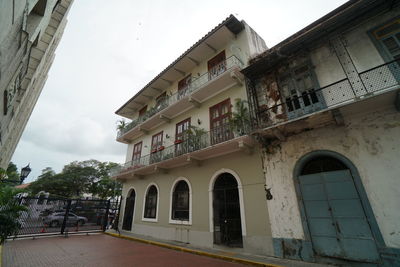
(110, 51)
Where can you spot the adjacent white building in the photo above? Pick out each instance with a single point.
(327, 105)
(30, 31)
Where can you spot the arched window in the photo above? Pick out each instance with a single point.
(150, 208)
(323, 164)
(180, 202)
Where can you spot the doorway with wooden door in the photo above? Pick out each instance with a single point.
(335, 212)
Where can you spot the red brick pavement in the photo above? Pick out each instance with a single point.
(97, 250)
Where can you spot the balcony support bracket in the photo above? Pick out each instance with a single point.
(279, 134)
(237, 76)
(180, 71)
(156, 89)
(194, 102)
(194, 61)
(139, 103)
(168, 81)
(144, 130)
(337, 115)
(246, 148)
(140, 177)
(165, 118)
(211, 47)
(160, 170)
(149, 97)
(198, 162)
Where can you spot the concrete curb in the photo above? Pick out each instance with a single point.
(197, 252)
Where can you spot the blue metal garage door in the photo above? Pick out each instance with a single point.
(336, 219)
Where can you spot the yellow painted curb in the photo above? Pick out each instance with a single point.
(197, 252)
(1, 254)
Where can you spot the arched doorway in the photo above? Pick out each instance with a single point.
(333, 208)
(129, 210)
(226, 211)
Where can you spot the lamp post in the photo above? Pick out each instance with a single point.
(25, 171)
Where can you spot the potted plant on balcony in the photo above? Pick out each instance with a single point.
(178, 141)
(240, 118)
(121, 124)
(196, 138)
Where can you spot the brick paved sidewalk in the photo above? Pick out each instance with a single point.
(97, 250)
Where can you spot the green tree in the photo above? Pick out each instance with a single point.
(12, 172)
(10, 210)
(77, 178)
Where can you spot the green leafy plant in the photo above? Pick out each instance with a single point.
(195, 137)
(121, 124)
(240, 119)
(10, 210)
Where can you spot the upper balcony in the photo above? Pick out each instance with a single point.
(196, 146)
(320, 107)
(218, 79)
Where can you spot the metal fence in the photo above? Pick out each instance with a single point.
(52, 216)
(192, 141)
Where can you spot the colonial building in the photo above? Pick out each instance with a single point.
(192, 172)
(29, 34)
(326, 104)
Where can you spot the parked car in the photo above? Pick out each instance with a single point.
(56, 219)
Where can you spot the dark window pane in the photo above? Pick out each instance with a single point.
(392, 45)
(314, 97)
(323, 164)
(180, 201)
(305, 99)
(150, 209)
(296, 102)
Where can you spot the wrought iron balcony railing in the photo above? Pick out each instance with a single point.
(193, 86)
(195, 139)
(374, 81)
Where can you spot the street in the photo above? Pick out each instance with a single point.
(97, 250)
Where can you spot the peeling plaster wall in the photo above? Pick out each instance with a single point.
(371, 141)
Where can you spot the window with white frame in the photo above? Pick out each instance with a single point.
(150, 208)
(180, 201)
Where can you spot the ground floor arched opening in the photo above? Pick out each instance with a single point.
(226, 211)
(335, 212)
(129, 210)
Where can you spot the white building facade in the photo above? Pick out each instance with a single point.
(29, 34)
(327, 105)
(192, 173)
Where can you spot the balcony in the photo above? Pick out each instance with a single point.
(218, 79)
(375, 86)
(195, 147)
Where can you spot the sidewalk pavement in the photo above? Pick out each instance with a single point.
(235, 256)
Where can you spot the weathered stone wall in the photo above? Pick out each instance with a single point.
(369, 139)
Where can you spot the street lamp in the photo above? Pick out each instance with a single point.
(25, 171)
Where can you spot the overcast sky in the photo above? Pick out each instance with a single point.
(111, 49)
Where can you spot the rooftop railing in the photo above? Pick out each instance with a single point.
(194, 85)
(373, 81)
(193, 140)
